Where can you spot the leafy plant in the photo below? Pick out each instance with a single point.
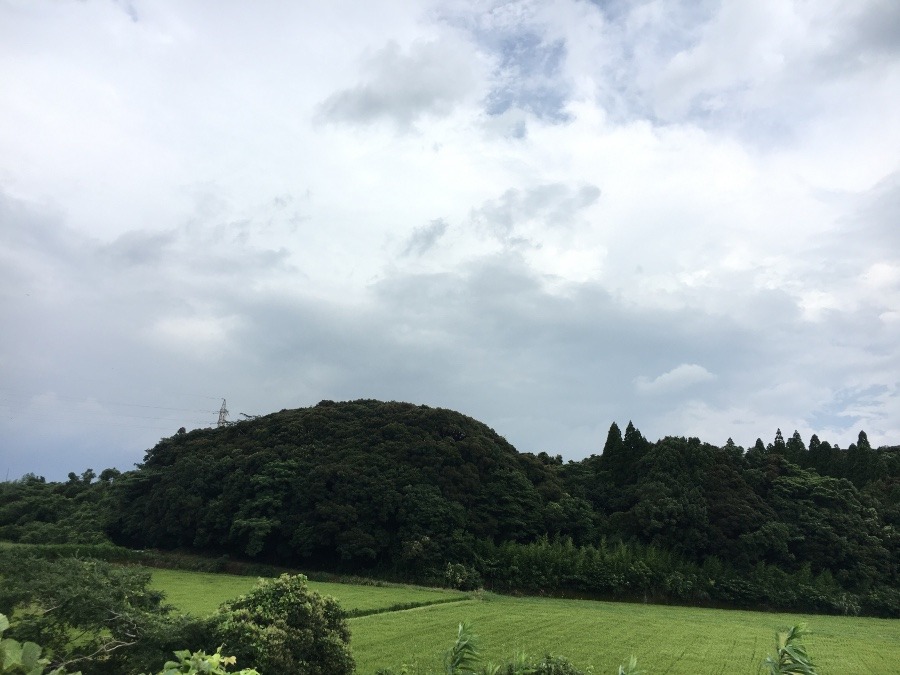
(790, 656)
(22, 658)
(463, 657)
(86, 614)
(201, 662)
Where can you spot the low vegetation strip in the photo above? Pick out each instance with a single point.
(403, 606)
(673, 640)
(107, 552)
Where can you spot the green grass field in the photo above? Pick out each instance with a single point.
(670, 640)
(202, 593)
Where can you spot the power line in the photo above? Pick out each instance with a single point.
(86, 399)
(46, 433)
(105, 413)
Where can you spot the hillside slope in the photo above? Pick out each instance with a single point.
(360, 483)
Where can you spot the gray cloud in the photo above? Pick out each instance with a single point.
(181, 234)
(552, 204)
(139, 247)
(488, 340)
(129, 8)
(431, 79)
(548, 369)
(865, 235)
(874, 32)
(764, 72)
(424, 238)
(877, 216)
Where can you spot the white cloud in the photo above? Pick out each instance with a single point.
(882, 276)
(203, 336)
(580, 196)
(431, 79)
(680, 377)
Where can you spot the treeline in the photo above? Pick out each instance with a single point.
(638, 573)
(424, 494)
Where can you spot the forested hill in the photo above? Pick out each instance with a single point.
(428, 494)
(363, 482)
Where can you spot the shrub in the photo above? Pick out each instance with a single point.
(462, 578)
(282, 626)
(201, 662)
(22, 658)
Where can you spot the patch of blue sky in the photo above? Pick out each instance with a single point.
(848, 409)
(529, 77)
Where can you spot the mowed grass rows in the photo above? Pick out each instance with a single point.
(671, 640)
(201, 592)
(674, 640)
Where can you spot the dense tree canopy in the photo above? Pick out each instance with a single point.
(406, 489)
(355, 484)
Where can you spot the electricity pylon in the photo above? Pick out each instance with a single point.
(223, 415)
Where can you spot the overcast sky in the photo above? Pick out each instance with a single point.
(547, 215)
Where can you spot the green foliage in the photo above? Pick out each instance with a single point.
(22, 658)
(107, 620)
(202, 593)
(431, 496)
(461, 577)
(90, 614)
(790, 656)
(34, 511)
(355, 484)
(202, 663)
(53, 600)
(522, 664)
(106, 552)
(463, 657)
(283, 627)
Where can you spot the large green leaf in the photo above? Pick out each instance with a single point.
(31, 654)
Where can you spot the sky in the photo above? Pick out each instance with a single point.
(548, 215)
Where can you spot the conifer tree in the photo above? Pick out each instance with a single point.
(779, 445)
(613, 444)
(795, 450)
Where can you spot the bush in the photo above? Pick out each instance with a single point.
(883, 601)
(22, 657)
(462, 578)
(281, 626)
(554, 665)
(201, 662)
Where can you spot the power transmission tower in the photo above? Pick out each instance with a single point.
(223, 415)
